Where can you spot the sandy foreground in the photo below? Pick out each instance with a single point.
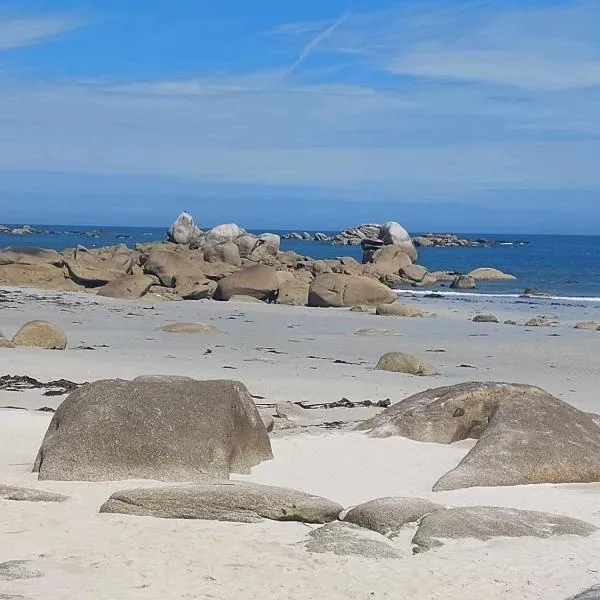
(288, 354)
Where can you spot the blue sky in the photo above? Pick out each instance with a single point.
(479, 115)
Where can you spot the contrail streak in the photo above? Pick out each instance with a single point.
(319, 39)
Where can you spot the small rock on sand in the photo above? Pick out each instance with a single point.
(8, 492)
(190, 328)
(374, 332)
(41, 334)
(395, 309)
(592, 325)
(347, 539)
(398, 362)
(485, 319)
(592, 593)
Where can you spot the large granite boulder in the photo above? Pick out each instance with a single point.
(223, 252)
(227, 232)
(487, 522)
(398, 362)
(335, 290)
(96, 269)
(235, 501)
(128, 287)
(184, 230)
(30, 256)
(41, 334)
(387, 516)
(293, 292)
(524, 434)
(173, 430)
(347, 539)
(393, 234)
(388, 260)
(258, 281)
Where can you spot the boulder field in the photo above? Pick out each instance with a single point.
(227, 261)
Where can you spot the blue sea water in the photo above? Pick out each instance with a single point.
(564, 266)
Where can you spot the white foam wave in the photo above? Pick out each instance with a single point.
(510, 296)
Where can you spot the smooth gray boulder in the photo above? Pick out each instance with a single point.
(174, 430)
(20, 494)
(524, 434)
(463, 282)
(347, 539)
(184, 230)
(487, 522)
(387, 516)
(592, 593)
(198, 328)
(236, 501)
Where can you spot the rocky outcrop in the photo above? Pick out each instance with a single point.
(293, 292)
(388, 516)
(223, 252)
(30, 256)
(227, 232)
(524, 434)
(444, 240)
(347, 539)
(41, 334)
(236, 501)
(488, 522)
(336, 290)
(398, 362)
(172, 430)
(184, 230)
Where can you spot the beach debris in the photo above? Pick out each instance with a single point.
(347, 539)
(19, 383)
(398, 362)
(388, 515)
(487, 522)
(41, 334)
(170, 430)
(236, 501)
(524, 434)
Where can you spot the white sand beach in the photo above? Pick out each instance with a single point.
(288, 354)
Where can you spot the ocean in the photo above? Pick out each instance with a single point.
(566, 267)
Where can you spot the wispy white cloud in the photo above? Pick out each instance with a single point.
(552, 47)
(316, 41)
(16, 32)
